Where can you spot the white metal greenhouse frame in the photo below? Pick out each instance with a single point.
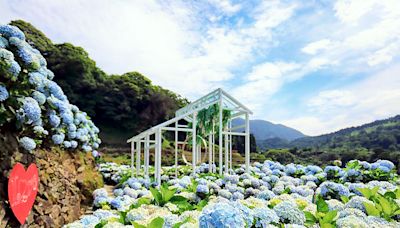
(188, 113)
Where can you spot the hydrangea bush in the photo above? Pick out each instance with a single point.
(34, 103)
(271, 195)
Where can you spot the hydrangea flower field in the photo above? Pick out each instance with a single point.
(32, 101)
(361, 194)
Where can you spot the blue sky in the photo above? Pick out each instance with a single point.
(317, 66)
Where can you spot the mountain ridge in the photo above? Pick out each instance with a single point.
(263, 129)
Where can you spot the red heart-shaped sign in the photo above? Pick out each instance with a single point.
(22, 190)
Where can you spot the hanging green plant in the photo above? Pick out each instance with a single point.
(207, 119)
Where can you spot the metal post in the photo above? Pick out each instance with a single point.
(176, 150)
(156, 157)
(226, 154)
(146, 156)
(159, 147)
(138, 145)
(132, 156)
(209, 153)
(247, 143)
(212, 149)
(220, 136)
(230, 144)
(194, 137)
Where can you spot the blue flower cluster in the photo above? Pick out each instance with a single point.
(221, 215)
(44, 114)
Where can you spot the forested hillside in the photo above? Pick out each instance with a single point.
(121, 105)
(377, 140)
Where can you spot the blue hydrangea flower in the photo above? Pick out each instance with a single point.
(58, 138)
(288, 211)
(265, 216)
(71, 127)
(170, 221)
(54, 120)
(8, 31)
(95, 153)
(386, 163)
(100, 192)
(266, 195)
(237, 196)
(3, 42)
(14, 69)
(221, 215)
(26, 53)
(130, 192)
(27, 143)
(353, 187)
(358, 203)
(37, 79)
(225, 193)
(312, 169)
(101, 200)
(246, 212)
(202, 189)
(56, 90)
(40, 130)
(3, 93)
(334, 190)
(39, 97)
(117, 203)
(384, 169)
(118, 192)
(105, 214)
(67, 117)
(290, 169)
(86, 148)
(89, 220)
(95, 145)
(67, 144)
(31, 109)
(74, 144)
(71, 134)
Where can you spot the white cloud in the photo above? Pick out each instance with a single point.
(376, 97)
(329, 100)
(264, 80)
(350, 11)
(314, 47)
(226, 6)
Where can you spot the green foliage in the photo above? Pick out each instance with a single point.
(192, 187)
(324, 217)
(167, 195)
(384, 205)
(141, 201)
(280, 155)
(101, 224)
(164, 195)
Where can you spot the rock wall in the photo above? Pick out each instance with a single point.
(66, 182)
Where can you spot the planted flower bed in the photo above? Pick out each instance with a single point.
(361, 194)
